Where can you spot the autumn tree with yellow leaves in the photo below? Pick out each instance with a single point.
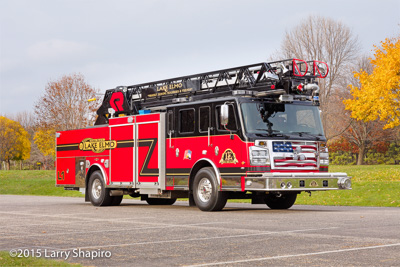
(14, 141)
(378, 96)
(44, 139)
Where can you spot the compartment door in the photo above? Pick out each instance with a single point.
(148, 152)
(122, 162)
(65, 171)
(150, 149)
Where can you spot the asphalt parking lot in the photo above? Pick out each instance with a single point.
(137, 234)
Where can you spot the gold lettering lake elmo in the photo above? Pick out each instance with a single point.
(97, 145)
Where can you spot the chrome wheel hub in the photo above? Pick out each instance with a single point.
(204, 191)
(96, 189)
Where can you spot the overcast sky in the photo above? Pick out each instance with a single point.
(117, 42)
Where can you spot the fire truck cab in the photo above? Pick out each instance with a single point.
(251, 132)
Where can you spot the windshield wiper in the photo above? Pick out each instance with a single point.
(274, 133)
(306, 133)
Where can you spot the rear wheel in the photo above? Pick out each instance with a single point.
(160, 201)
(99, 195)
(205, 191)
(280, 201)
(116, 200)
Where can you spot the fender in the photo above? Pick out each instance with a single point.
(102, 172)
(216, 170)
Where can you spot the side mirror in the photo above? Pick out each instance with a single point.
(224, 115)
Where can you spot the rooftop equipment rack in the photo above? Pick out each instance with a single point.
(290, 76)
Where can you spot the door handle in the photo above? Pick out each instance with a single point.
(170, 137)
(209, 135)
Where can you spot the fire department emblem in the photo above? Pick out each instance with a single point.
(228, 157)
(97, 145)
(188, 154)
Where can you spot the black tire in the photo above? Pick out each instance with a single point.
(134, 195)
(205, 191)
(98, 194)
(116, 200)
(280, 202)
(160, 201)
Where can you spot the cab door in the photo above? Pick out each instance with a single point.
(228, 146)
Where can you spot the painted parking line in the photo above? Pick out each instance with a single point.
(295, 255)
(159, 226)
(197, 239)
(29, 223)
(63, 216)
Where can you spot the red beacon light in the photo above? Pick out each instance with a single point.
(300, 87)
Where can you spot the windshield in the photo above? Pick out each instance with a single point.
(279, 118)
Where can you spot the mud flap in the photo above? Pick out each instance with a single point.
(257, 199)
(86, 195)
(191, 200)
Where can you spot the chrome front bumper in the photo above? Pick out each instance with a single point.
(298, 182)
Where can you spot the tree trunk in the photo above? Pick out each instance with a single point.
(361, 154)
(8, 165)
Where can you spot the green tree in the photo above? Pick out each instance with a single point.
(14, 141)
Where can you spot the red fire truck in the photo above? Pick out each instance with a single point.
(251, 132)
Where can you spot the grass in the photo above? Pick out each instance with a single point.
(38, 183)
(373, 185)
(7, 260)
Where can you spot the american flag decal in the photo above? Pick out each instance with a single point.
(295, 155)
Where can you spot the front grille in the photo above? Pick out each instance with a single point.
(295, 155)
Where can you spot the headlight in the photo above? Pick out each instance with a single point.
(323, 154)
(259, 153)
(344, 183)
(258, 156)
(323, 147)
(324, 162)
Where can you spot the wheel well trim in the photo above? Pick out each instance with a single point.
(93, 166)
(102, 172)
(216, 170)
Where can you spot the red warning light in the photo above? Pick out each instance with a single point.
(300, 87)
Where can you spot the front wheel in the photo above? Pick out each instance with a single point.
(99, 195)
(205, 191)
(280, 201)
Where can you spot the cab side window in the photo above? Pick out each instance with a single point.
(186, 121)
(232, 125)
(170, 121)
(204, 119)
